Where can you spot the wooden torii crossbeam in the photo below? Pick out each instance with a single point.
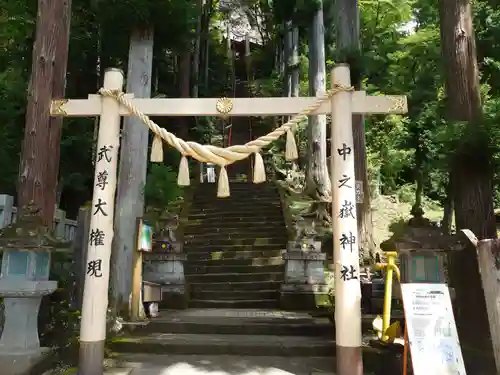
(361, 103)
(341, 106)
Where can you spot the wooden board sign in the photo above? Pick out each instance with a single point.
(144, 237)
(432, 333)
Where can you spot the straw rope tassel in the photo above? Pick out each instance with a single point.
(223, 183)
(259, 170)
(291, 152)
(183, 177)
(157, 149)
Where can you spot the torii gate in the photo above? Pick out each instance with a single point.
(341, 102)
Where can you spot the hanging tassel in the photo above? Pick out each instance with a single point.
(157, 150)
(183, 177)
(223, 184)
(259, 170)
(291, 147)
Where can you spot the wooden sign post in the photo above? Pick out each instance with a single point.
(95, 294)
(342, 106)
(345, 230)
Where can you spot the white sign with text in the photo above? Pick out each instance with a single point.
(432, 333)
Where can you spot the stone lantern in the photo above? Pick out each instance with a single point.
(165, 265)
(422, 249)
(26, 246)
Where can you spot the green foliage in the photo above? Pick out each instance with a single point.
(161, 187)
(400, 54)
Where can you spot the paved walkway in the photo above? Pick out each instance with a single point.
(149, 364)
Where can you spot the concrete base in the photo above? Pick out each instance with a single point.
(174, 297)
(304, 297)
(20, 363)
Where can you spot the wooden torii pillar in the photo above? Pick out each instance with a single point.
(345, 233)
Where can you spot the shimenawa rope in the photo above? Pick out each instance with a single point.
(217, 155)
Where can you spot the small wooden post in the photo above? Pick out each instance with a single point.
(345, 231)
(6, 205)
(95, 294)
(489, 268)
(80, 246)
(136, 283)
(144, 241)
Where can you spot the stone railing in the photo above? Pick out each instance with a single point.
(64, 228)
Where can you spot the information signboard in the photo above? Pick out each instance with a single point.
(432, 333)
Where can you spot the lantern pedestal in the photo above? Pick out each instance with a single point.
(167, 270)
(21, 302)
(24, 280)
(305, 286)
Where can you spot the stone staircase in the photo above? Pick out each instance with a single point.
(234, 247)
(233, 326)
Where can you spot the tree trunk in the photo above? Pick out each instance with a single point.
(287, 55)
(62, 27)
(205, 40)
(448, 208)
(417, 209)
(348, 51)
(185, 88)
(197, 52)
(471, 172)
(34, 169)
(318, 184)
(132, 172)
(294, 66)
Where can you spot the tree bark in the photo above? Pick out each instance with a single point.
(294, 66)
(197, 51)
(287, 54)
(185, 88)
(36, 155)
(348, 51)
(318, 184)
(132, 172)
(448, 208)
(58, 92)
(471, 171)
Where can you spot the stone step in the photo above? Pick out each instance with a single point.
(243, 185)
(235, 295)
(267, 228)
(239, 322)
(201, 247)
(217, 344)
(374, 363)
(190, 269)
(236, 190)
(237, 196)
(235, 277)
(240, 203)
(241, 233)
(161, 364)
(193, 239)
(236, 215)
(271, 204)
(232, 255)
(237, 262)
(244, 285)
(240, 304)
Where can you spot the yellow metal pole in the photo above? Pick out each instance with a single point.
(386, 314)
